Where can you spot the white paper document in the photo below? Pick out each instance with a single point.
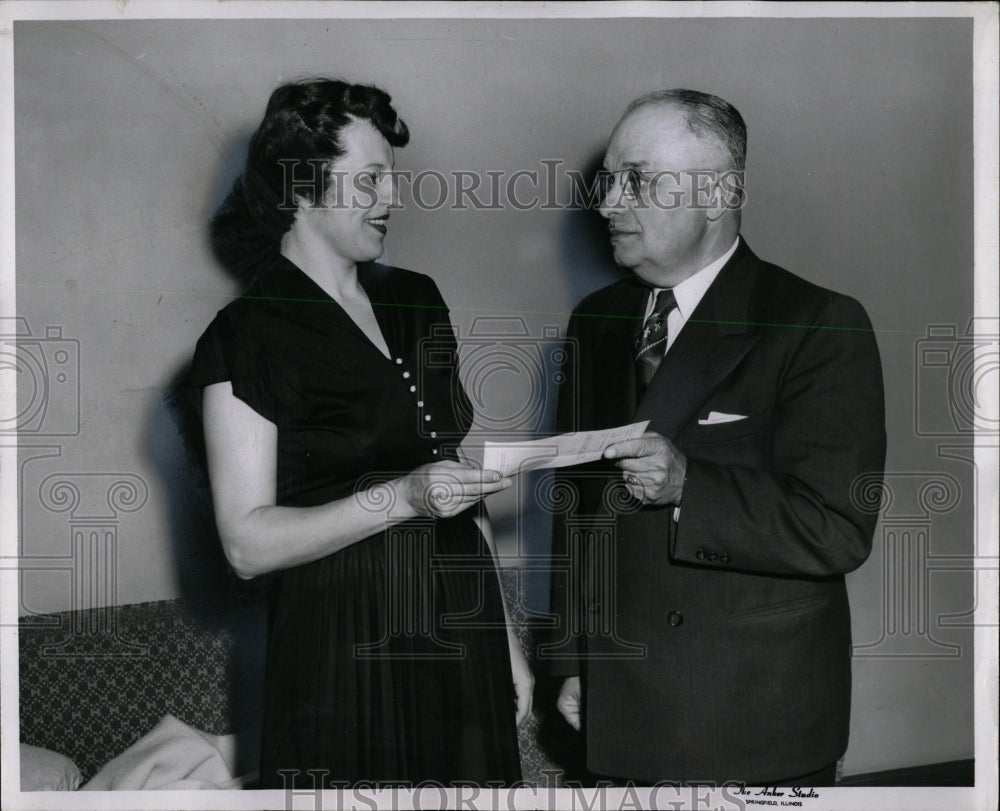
(509, 458)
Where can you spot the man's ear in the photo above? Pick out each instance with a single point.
(716, 209)
(727, 194)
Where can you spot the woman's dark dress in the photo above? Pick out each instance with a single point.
(387, 660)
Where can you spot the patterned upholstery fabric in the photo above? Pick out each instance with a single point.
(93, 682)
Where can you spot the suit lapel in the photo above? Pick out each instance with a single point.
(620, 319)
(714, 340)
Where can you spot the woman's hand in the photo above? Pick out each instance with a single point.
(524, 681)
(444, 489)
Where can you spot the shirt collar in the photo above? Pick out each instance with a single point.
(691, 291)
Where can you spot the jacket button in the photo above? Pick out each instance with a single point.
(675, 619)
(713, 556)
(724, 557)
(700, 554)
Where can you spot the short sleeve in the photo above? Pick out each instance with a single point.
(230, 350)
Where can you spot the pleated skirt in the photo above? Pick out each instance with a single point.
(388, 663)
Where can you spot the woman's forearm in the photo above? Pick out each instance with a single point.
(259, 536)
(269, 538)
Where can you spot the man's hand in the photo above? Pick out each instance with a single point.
(569, 701)
(653, 468)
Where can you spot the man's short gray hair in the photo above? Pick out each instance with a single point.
(706, 116)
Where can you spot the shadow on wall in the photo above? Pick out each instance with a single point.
(213, 594)
(588, 264)
(234, 236)
(587, 259)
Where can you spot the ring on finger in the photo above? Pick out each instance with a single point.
(631, 478)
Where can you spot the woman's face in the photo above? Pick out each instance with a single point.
(352, 218)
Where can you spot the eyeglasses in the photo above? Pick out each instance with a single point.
(631, 180)
(698, 185)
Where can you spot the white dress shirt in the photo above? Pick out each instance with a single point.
(688, 294)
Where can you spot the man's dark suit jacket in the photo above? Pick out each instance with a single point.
(718, 647)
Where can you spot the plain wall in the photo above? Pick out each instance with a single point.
(128, 134)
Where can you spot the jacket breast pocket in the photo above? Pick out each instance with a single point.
(712, 432)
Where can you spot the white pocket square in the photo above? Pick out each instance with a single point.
(717, 417)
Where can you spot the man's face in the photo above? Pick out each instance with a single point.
(660, 233)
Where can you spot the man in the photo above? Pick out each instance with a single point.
(706, 629)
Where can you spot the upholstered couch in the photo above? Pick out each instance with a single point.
(93, 682)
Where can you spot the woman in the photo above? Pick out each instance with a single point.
(331, 411)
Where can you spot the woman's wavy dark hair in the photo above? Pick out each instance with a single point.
(289, 156)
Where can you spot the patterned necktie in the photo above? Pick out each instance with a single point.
(652, 341)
